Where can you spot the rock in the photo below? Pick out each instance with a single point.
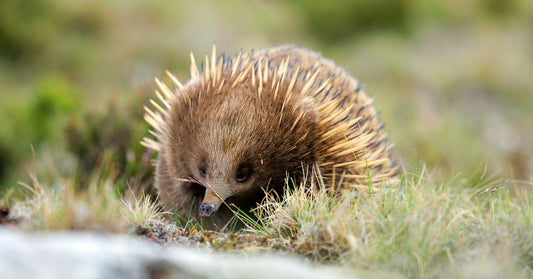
(98, 255)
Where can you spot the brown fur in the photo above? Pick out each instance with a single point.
(273, 112)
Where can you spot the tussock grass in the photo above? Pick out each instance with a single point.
(464, 227)
(63, 205)
(423, 228)
(66, 204)
(139, 211)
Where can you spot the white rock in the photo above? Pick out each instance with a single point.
(96, 255)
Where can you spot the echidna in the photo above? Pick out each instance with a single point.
(241, 125)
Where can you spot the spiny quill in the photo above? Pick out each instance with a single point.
(243, 124)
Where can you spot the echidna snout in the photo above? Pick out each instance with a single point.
(212, 201)
(206, 210)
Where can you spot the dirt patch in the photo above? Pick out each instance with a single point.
(4, 212)
(5, 218)
(166, 233)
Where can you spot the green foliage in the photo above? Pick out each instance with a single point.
(341, 20)
(30, 31)
(338, 21)
(501, 8)
(32, 120)
(55, 98)
(6, 156)
(27, 122)
(114, 134)
(24, 27)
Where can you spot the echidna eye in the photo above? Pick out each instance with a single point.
(243, 173)
(202, 170)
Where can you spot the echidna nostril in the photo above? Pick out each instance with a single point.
(206, 209)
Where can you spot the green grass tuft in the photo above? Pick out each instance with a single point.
(423, 228)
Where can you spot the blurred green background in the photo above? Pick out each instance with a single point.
(452, 79)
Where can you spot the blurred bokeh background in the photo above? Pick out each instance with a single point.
(453, 79)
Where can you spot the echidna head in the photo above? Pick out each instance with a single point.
(237, 143)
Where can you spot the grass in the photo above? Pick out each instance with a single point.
(139, 211)
(424, 228)
(65, 203)
(61, 207)
(463, 227)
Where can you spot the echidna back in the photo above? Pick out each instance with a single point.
(353, 147)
